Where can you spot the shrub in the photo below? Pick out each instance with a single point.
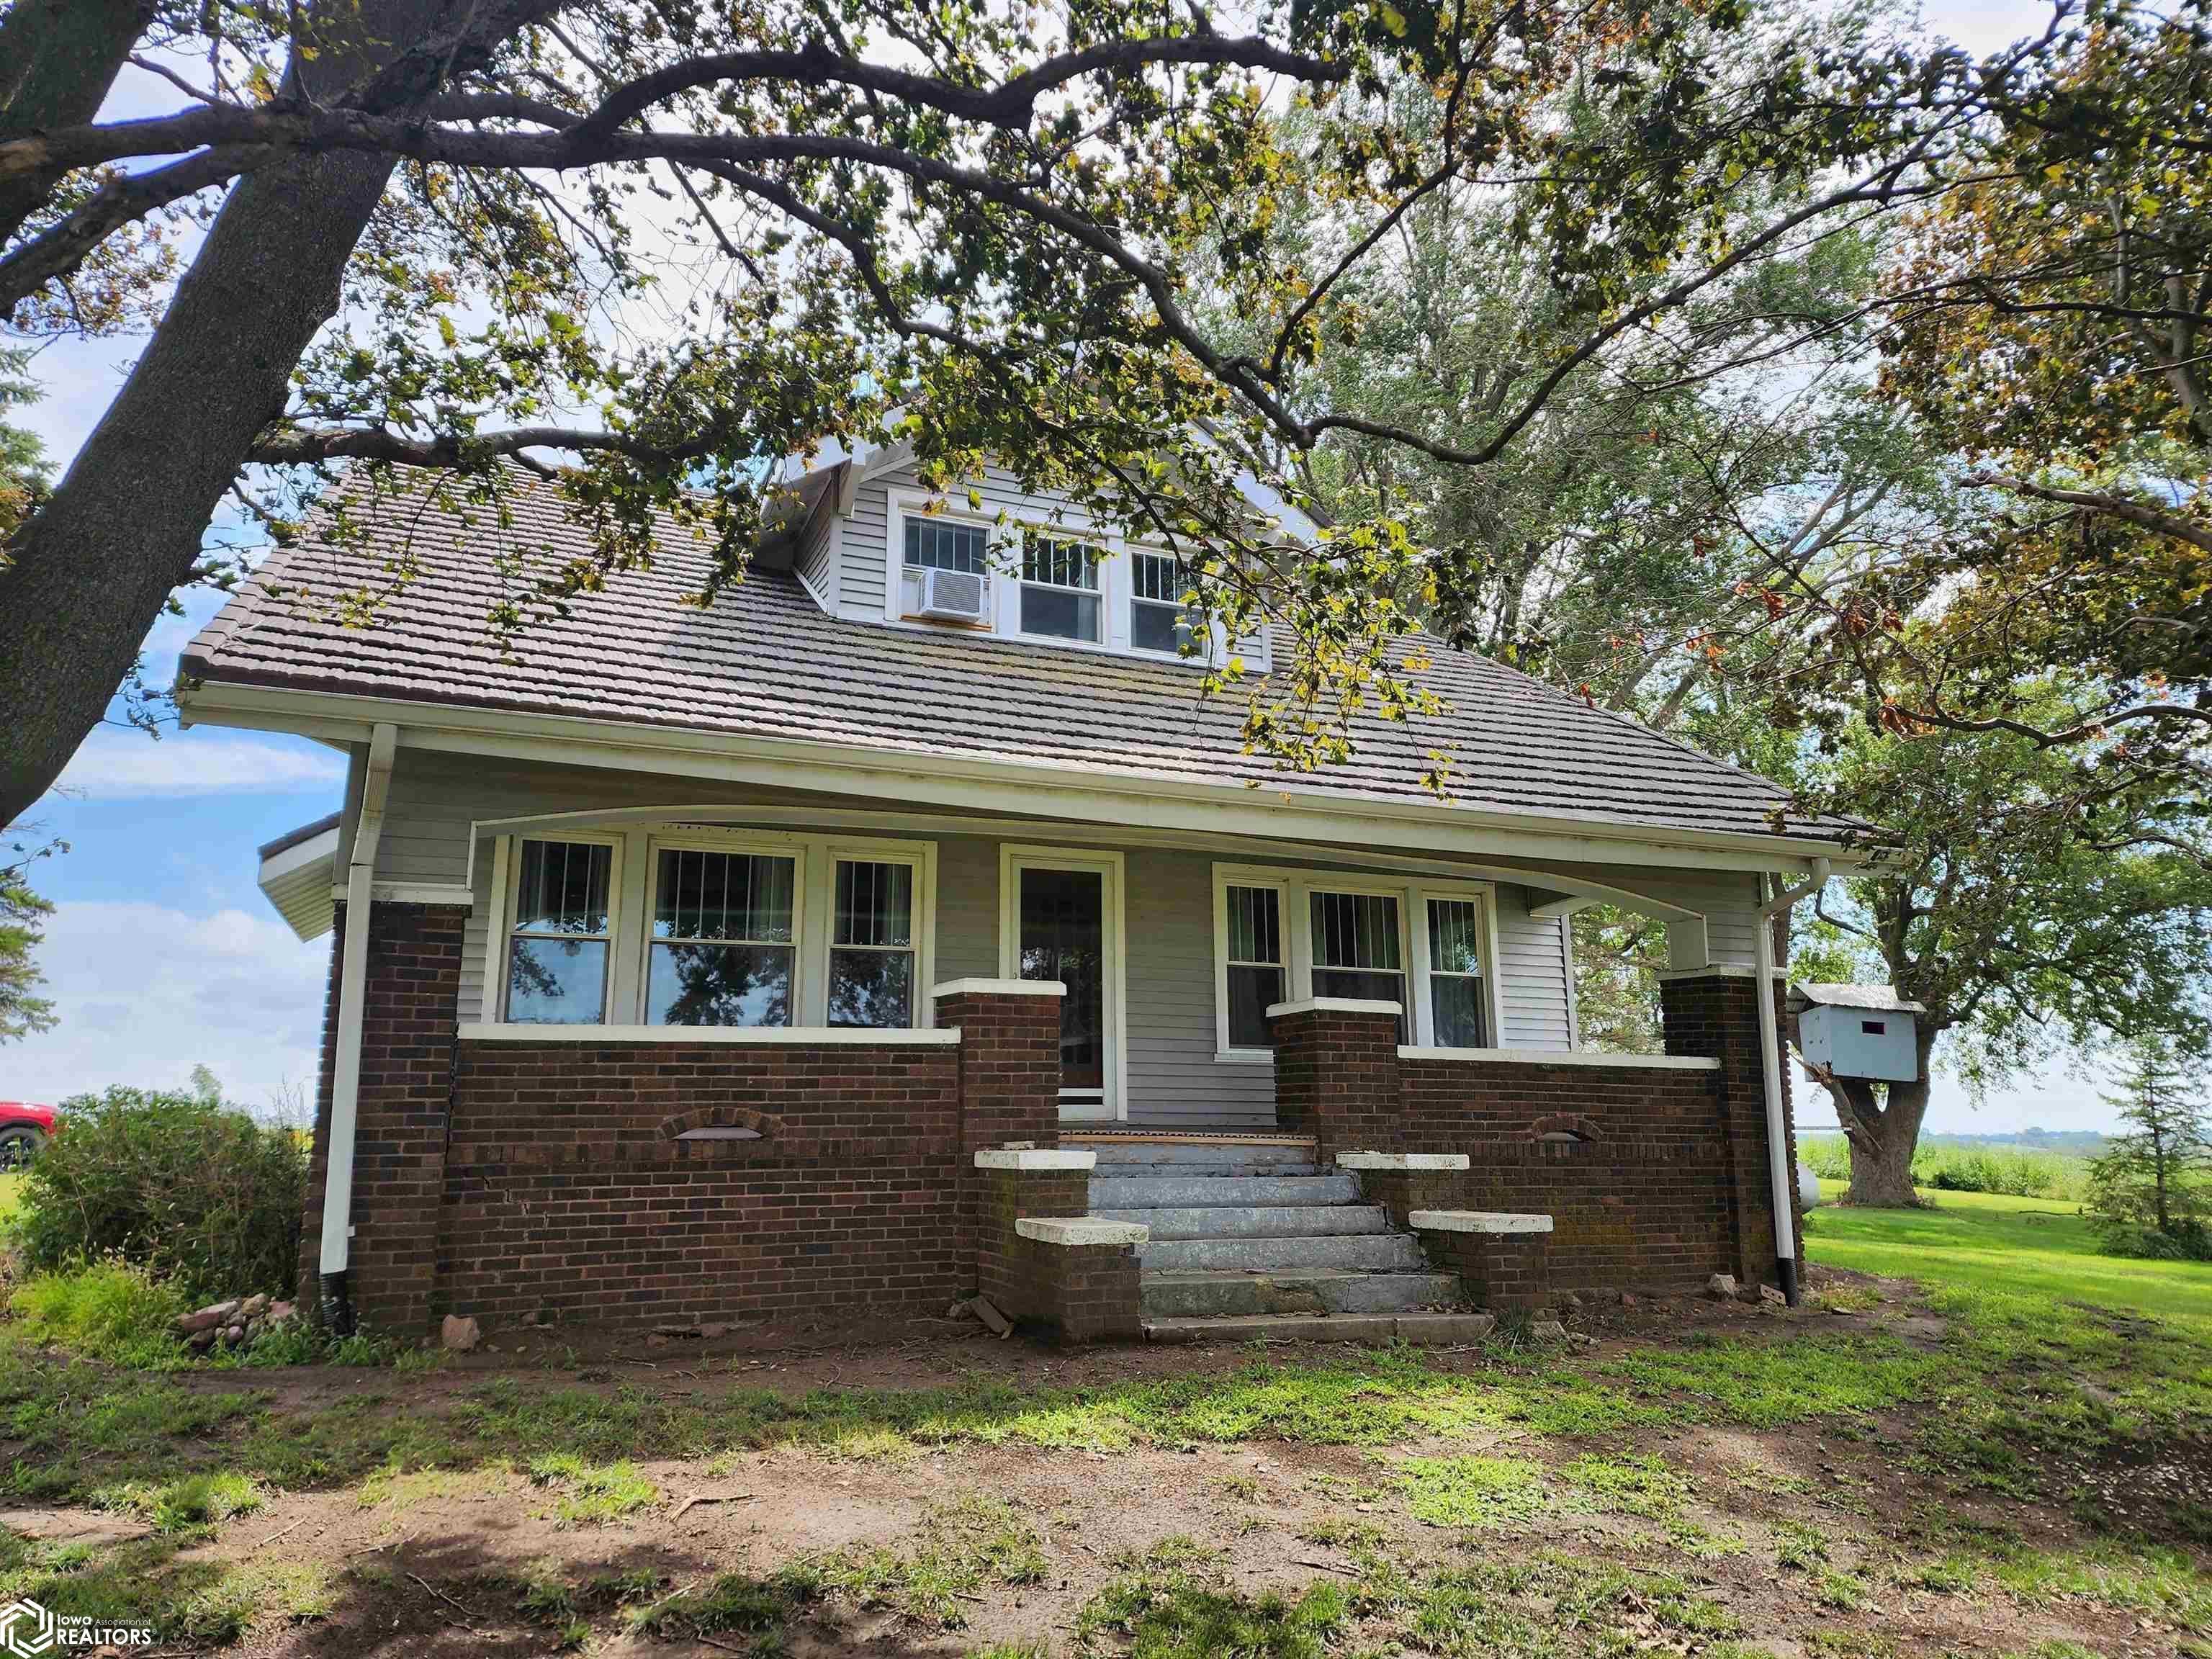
(198, 1192)
(110, 1309)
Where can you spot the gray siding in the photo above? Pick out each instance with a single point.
(815, 558)
(1174, 1076)
(1532, 976)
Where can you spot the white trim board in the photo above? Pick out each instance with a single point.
(676, 1036)
(1067, 789)
(1583, 1057)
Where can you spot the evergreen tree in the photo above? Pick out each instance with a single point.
(2151, 1191)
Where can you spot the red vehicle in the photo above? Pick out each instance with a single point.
(23, 1129)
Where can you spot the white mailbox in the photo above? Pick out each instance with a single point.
(1858, 1031)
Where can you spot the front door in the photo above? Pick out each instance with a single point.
(1063, 928)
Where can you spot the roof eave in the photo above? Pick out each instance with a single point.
(1077, 793)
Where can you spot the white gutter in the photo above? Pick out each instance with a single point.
(1779, 1171)
(345, 1073)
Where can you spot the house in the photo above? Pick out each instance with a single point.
(906, 922)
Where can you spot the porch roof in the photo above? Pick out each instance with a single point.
(764, 661)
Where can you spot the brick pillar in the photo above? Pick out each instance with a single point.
(1712, 1014)
(1336, 1073)
(1009, 1092)
(409, 1020)
(1009, 1060)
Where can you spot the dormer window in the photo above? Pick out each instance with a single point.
(1059, 590)
(934, 544)
(1156, 619)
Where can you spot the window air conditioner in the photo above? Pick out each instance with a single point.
(955, 595)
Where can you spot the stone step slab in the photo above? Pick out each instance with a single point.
(1431, 1329)
(1117, 1192)
(1381, 1252)
(1271, 1221)
(1233, 1295)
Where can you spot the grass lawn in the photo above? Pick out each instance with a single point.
(2007, 1460)
(2035, 1247)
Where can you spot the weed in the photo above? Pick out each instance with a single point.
(109, 1309)
(1800, 1546)
(592, 1494)
(1346, 1532)
(957, 1549)
(1237, 1488)
(1645, 1485)
(1167, 1605)
(1490, 1492)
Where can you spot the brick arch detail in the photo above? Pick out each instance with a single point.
(764, 1124)
(1581, 1125)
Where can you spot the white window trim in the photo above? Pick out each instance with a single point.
(1104, 565)
(506, 874)
(1014, 858)
(1116, 589)
(630, 925)
(1297, 885)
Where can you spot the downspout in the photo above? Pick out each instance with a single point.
(1779, 1173)
(345, 1073)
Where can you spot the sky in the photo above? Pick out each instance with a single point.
(162, 954)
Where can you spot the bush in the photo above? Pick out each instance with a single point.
(109, 1309)
(199, 1192)
(2020, 1171)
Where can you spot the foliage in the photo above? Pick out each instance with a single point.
(1619, 957)
(22, 913)
(2013, 928)
(198, 1192)
(2018, 1171)
(108, 1308)
(2151, 1191)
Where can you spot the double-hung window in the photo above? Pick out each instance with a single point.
(1458, 1009)
(1356, 949)
(940, 544)
(561, 934)
(1059, 589)
(725, 941)
(871, 945)
(1158, 621)
(1252, 926)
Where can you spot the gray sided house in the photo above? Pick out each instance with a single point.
(905, 924)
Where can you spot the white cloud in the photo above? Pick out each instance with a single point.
(145, 991)
(113, 765)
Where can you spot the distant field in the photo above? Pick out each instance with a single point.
(2022, 1171)
(2025, 1246)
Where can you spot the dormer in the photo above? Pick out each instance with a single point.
(992, 560)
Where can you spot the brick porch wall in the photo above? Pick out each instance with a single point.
(569, 1197)
(1652, 1175)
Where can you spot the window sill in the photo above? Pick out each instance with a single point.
(826, 1036)
(1244, 1056)
(1563, 1057)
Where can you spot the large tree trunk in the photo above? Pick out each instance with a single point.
(88, 576)
(57, 59)
(1882, 1137)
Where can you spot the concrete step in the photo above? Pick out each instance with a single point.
(1434, 1329)
(1191, 1169)
(1216, 1294)
(1370, 1252)
(1247, 1221)
(1118, 1192)
(1218, 1154)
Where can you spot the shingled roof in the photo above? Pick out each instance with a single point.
(765, 662)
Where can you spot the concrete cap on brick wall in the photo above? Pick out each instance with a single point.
(1401, 1160)
(1333, 1005)
(1000, 987)
(1477, 1221)
(1034, 1157)
(1074, 1231)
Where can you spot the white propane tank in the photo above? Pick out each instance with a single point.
(1808, 1187)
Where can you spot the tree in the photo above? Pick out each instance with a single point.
(648, 246)
(23, 476)
(2148, 1190)
(2002, 912)
(2046, 320)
